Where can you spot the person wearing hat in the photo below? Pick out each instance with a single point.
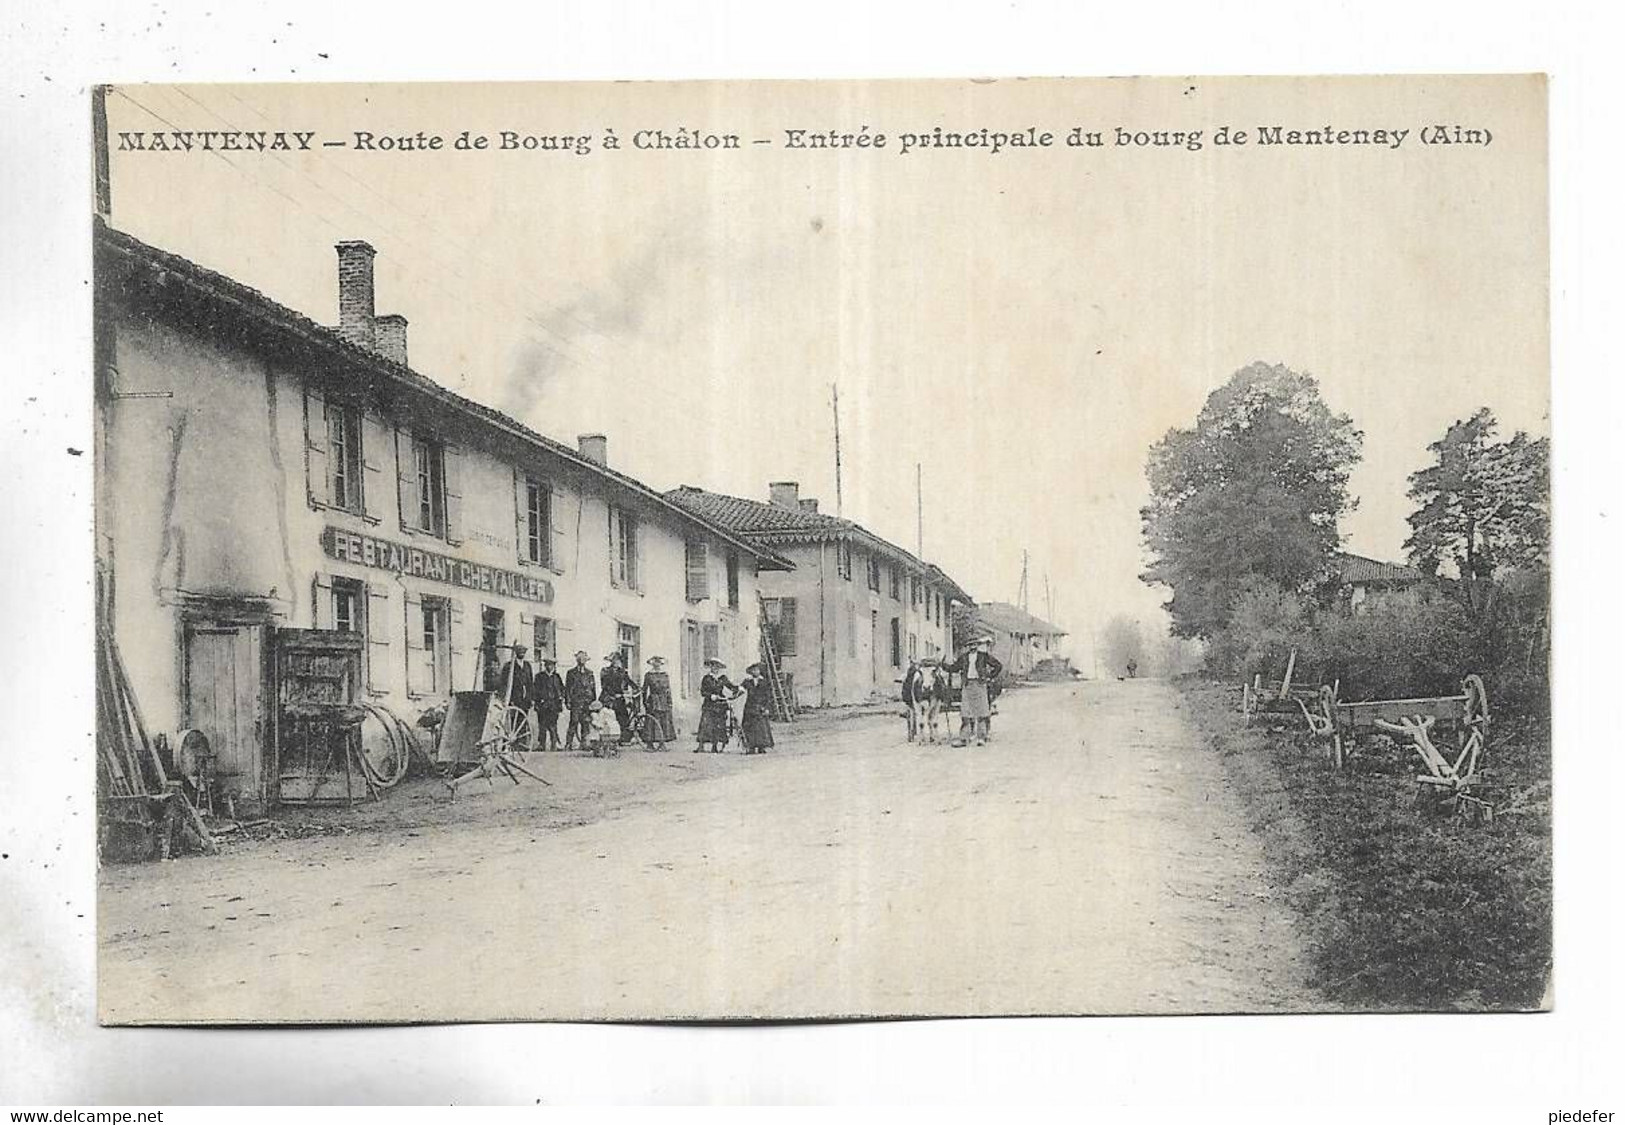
(716, 690)
(980, 668)
(548, 691)
(580, 691)
(756, 721)
(617, 691)
(658, 726)
(514, 686)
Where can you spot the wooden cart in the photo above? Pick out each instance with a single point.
(1285, 698)
(1451, 777)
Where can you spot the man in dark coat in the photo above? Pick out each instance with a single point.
(515, 685)
(549, 694)
(980, 668)
(616, 693)
(580, 690)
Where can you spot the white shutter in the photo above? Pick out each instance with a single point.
(527, 634)
(417, 657)
(321, 601)
(452, 470)
(614, 546)
(521, 512)
(459, 654)
(697, 564)
(555, 542)
(376, 447)
(318, 476)
(406, 470)
(377, 636)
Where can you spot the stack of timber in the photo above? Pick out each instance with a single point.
(144, 813)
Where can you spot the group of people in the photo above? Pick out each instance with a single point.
(638, 711)
(926, 693)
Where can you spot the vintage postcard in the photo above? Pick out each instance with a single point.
(1111, 516)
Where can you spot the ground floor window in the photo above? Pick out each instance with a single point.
(349, 606)
(428, 652)
(629, 643)
(492, 638)
(544, 638)
(896, 643)
(781, 624)
(913, 647)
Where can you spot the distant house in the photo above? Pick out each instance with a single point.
(1020, 640)
(855, 608)
(1363, 578)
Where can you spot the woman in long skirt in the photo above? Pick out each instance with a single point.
(658, 727)
(715, 692)
(756, 725)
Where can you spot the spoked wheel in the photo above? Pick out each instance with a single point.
(517, 732)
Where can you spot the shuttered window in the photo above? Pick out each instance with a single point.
(781, 624)
(623, 548)
(697, 566)
(733, 580)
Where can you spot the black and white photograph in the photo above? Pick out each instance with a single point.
(739, 551)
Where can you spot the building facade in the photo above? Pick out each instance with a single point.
(1020, 640)
(855, 608)
(1363, 578)
(260, 472)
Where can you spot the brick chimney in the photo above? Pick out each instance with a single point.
(355, 293)
(784, 494)
(389, 337)
(594, 447)
(810, 506)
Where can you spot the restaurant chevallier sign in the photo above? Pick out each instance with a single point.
(381, 554)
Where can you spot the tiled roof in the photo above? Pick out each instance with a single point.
(779, 526)
(1008, 618)
(1359, 569)
(752, 517)
(233, 297)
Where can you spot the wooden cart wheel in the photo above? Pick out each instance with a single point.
(1476, 711)
(517, 732)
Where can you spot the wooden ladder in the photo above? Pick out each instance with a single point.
(783, 707)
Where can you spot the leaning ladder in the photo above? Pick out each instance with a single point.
(783, 708)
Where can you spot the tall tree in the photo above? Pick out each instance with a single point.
(1122, 641)
(1483, 505)
(1255, 489)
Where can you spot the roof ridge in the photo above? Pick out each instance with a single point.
(241, 292)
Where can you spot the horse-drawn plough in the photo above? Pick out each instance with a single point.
(1453, 774)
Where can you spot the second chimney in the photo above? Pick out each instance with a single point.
(389, 337)
(784, 494)
(355, 293)
(810, 506)
(594, 447)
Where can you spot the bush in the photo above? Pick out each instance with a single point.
(1414, 643)
(1266, 624)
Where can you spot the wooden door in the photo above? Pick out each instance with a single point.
(224, 701)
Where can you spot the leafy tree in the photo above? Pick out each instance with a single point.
(1121, 642)
(1482, 506)
(1255, 489)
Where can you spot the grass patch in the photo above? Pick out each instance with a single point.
(1402, 909)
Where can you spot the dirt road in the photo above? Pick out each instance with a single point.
(1090, 860)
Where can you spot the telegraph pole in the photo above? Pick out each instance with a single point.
(835, 404)
(919, 511)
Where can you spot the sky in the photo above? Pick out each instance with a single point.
(1021, 325)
